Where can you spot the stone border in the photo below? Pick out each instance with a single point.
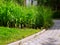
(20, 42)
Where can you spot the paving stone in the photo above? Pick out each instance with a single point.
(50, 37)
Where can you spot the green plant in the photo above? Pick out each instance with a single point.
(14, 15)
(8, 35)
(46, 16)
(56, 15)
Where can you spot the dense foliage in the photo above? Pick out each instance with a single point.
(56, 14)
(14, 15)
(21, 2)
(46, 16)
(52, 3)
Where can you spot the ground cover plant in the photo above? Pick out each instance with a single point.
(8, 35)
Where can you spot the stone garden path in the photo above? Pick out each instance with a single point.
(49, 37)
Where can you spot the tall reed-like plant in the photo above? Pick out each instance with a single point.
(14, 15)
(46, 16)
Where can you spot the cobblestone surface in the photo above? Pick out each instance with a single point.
(50, 37)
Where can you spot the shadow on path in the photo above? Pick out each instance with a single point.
(56, 24)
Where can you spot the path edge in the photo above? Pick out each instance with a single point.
(20, 42)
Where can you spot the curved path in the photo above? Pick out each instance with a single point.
(50, 37)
